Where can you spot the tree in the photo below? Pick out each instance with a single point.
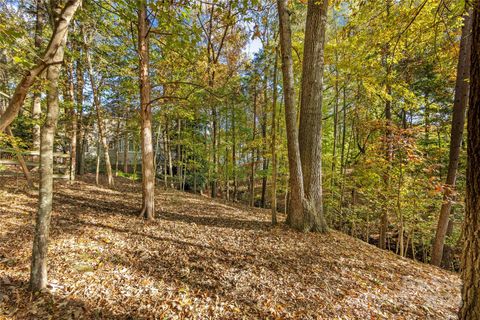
(148, 169)
(48, 59)
(38, 272)
(295, 206)
(456, 137)
(100, 124)
(274, 141)
(470, 308)
(36, 100)
(310, 133)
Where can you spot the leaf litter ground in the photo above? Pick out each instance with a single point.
(200, 259)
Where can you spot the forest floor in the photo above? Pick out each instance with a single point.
(200, 259)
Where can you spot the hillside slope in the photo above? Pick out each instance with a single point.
(200, 259)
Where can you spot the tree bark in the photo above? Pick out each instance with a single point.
(274, 142)
(254, 134)
(470, 308)
(264, 140)
(388, 140)
(49, 58)
(100, 124)
(70, 92)
(148, 169)
(38, 272)
(310, 134)
(125, 146)
(80, 163)
(456, 136)
(36, 99)
(295, 205)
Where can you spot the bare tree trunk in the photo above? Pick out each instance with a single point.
(234, 155)
(70, 93)
(254, 131)
(38, 272)
(49, 58)
(80, 162)
(295, 206)
(179, 155)
(264, 142)
(148, 169)
(36, 99)
(117, 147)
(97, 168)
(169, 152)
(101, 128)
(456, 136)
(310, 134)
(125, 148)
(274, 142)
(470, 308)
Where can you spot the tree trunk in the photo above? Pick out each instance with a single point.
(50, 57)
(36, 99)
(97, 168)
(234, 155)
(470, 308)
(295, 206)
(70, 93)
(310, 134)
(254, 134)
(388, 141)
(100, 124)
(125, 148)
(456, 136)
(264, 141)
(148, 169)
(38, 271)
(215, 150)
(274, 142)
(80, 163)
(117, 147)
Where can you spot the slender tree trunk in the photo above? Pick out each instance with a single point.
(169, 152)
(117, 146)
(295, 205)
(274, 142)
(470, 308)
(148, 169)
(101, 127)
(264, 141)
(80, 125)
(97, 168)
(254, 134)
(157, 147)
(310, 134)
(456, 136)
(38, 271)
(70, 93)
(135, 158)
(234, 154)
(215, 150)
(125, 148)
(36, 99)
(179, 155)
